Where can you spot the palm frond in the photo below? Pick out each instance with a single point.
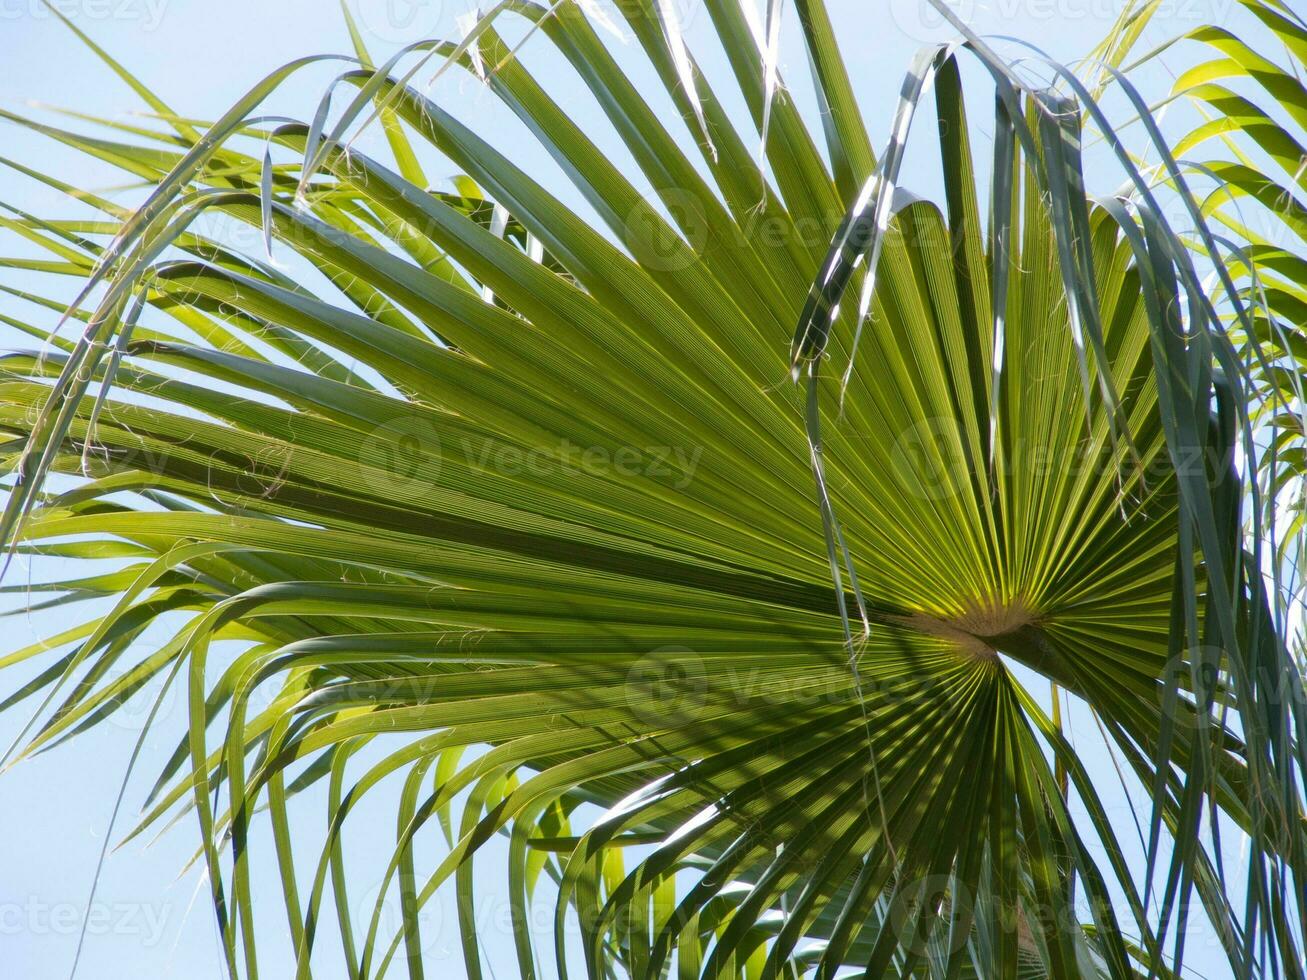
(520, 492)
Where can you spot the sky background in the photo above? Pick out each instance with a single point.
(151, 917)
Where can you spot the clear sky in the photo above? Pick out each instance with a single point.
(151, 918)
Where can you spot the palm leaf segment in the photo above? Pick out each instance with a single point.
(477, 472)
(1247, 153)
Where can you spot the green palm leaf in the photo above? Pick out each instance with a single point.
(528, 498)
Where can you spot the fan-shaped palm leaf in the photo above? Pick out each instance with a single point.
(480, 472)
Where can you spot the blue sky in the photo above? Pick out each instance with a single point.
(150, 918)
